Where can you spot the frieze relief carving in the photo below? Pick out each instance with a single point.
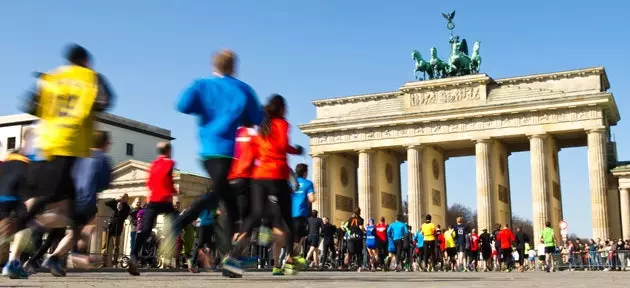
(455, 126)
(431, 97)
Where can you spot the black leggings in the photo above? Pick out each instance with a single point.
(270, 199)
(399, 251)
(54, 236)
(329, 246)
(218, 169)
(148, 220)
(430, 252)
(240, 187)
(204, 238)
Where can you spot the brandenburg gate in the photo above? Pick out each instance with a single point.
(358, 143)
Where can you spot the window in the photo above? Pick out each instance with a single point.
(10, 143)
(129, 149)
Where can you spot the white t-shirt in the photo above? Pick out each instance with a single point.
(532, 253)
(541, 249)
(515, 256)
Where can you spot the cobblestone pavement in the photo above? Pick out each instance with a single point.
(329, 280)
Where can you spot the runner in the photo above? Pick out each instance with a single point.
(521, 242)
(65, 101)
(329, 242)
(159, 201)
(270, 193)
(301, 200)
(221, 103)
(396, 232)
(355, 239)
(430, 248)
(419, 239)
(486, 249)
(241, 170)
(506, 238)
(91, 176)
(381, 241)
(474, 250)
(370, 243)
(205, 230)
(451, 249)
(13, 173)
(315, 228)
(460, 241)
(549, 239)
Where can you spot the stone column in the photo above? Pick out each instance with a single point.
(484, 185)
(624, 200)
(322, 199)
(365, 183)
(414, 186)
(540, 205)
(598, 181)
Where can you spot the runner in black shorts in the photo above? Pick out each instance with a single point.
(12, 180)
(91, 175)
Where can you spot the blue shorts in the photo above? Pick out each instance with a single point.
(371, 244)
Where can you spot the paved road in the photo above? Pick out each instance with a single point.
(329, 280)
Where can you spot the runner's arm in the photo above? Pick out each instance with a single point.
(105, 95)
(253, 110)
(189, 102)
(310, 194)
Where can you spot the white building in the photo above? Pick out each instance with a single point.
(130, 139)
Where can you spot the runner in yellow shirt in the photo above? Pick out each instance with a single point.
(430, 249)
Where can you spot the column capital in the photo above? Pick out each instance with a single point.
(367, 150)
(319, 155)
(414, 146)
(537, 136)
(482, 140)
(623, 189)
(596, 130)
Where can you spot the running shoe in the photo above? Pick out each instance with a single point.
(277, 272)
(233, 266)
(192, 267)
(133, 266)
(289, 269)
(13, 270)
(30, 267)
(300, 263)
(54, 265)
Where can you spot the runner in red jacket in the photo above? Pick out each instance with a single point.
(241, 170)
(506, 237)
(270, 191)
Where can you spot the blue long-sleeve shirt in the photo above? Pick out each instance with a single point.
(221, 105)
(91, 175)
(419, 239)
(397, 230)
(206, 217)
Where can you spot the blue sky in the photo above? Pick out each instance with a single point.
(307, 50)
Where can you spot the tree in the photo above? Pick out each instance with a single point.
(459, 210)
(526, 225)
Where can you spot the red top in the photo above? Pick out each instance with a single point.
(475, 242)
(160, 182)
(244, 154)
(381, 232)
(442, 242)
(272, 152)
(506, 237)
